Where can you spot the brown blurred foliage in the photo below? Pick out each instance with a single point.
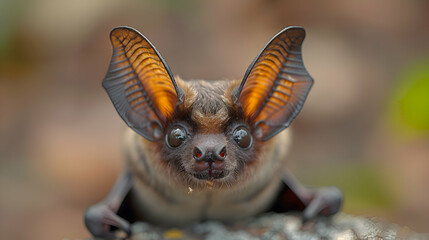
(60, 135)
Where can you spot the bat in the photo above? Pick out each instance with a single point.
(206, 150)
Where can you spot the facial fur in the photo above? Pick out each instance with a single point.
(209, 117)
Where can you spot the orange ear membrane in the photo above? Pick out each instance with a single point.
(276, 84)
(140, 84)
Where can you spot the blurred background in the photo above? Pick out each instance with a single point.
(364, 127)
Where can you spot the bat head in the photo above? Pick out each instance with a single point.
(207, 131)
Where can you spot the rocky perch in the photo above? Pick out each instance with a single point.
(281, 226)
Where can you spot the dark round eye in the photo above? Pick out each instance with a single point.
(242, 137)
(175, 137)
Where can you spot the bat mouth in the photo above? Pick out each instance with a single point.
(209, 170)
(210, 174)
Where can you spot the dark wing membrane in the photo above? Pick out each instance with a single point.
(140, 83)
(276, 84)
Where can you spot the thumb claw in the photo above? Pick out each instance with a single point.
(312, 210)
(326, 201)
(99, 218)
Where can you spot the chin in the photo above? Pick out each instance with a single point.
(210, 180)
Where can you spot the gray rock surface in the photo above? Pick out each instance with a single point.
(281, 226)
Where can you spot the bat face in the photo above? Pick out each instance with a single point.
(208, 139)
(202, 132)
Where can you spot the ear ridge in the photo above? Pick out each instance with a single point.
(276, 84)
(140, 83)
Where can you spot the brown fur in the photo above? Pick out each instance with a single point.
(163, 175)
(209, 103)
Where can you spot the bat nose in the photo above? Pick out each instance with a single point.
(209, 153)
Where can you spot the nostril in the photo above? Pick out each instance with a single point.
(197, 153)
(222, 152)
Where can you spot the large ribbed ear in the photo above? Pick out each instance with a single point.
(275, 85)
(140, 84)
